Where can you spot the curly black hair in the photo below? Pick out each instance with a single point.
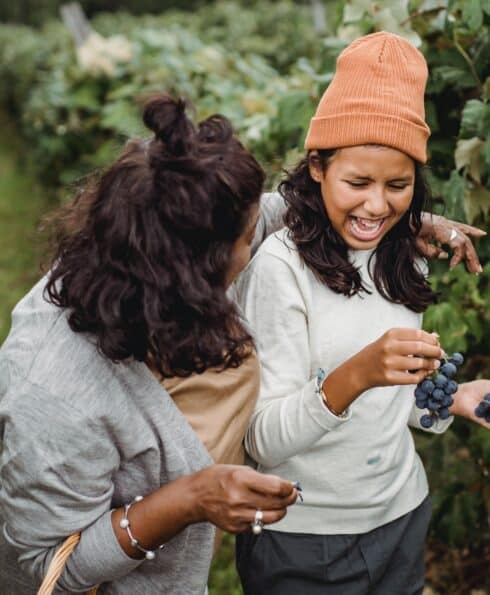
(396, 274)
(141, 255)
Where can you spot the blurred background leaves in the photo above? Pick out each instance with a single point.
(265, 64)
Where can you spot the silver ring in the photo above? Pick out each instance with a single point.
(454, 234)
(258, 522)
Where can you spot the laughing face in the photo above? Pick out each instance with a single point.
(366, 190)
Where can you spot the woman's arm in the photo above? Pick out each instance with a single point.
(58, 465)
(290, 415)
(225, 495)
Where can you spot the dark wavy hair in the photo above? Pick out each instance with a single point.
(141, 255)
(396, 274)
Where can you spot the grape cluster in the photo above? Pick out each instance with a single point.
(483, 408)
(435, 393)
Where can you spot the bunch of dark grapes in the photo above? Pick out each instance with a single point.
(435, 393)
(483, 408)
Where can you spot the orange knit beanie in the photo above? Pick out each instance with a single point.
(375, 97)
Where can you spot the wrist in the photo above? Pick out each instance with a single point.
(341, 387)
(192, 497)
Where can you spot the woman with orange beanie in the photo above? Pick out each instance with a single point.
(335, 301)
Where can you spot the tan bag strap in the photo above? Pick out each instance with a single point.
(57, 564)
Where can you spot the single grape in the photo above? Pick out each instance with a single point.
(444, 413)
(451, 387)
(448, 369)
(487, 398)
(420, 404)
(426, 421)
(420, 394)
(427, 386)
(437, 394)
(487, 418)
(457, 359)
(482, 409)
(447, 401)
(432, 405)
(440, 380)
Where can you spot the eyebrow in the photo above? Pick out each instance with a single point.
(368, 178)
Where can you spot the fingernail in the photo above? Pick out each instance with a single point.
(443, 255)
(480, 269)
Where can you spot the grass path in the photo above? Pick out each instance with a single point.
(22, 203)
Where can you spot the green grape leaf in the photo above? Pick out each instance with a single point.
(468, 155)
(477, 202)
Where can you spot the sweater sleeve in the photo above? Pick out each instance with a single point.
(271, 213)
(439, 427)
(56, 471)
(290, 416)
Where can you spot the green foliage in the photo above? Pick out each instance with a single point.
(264, 65)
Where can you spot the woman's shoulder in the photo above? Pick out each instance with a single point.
(279, 246)
(45, 354)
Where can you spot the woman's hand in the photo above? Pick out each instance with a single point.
(466, 399)
(400, 356)
(229, 496)
(457, 236)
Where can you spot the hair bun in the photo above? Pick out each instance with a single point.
(166, 117)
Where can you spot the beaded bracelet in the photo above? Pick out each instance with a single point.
(124, 524)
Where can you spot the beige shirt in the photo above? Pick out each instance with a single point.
(218, 406)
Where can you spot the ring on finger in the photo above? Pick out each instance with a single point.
(258, 523)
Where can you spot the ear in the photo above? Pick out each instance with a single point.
(314, 166)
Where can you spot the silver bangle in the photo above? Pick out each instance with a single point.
(124, 524)
(320, 377)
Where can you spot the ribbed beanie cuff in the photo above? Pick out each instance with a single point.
(375, 97)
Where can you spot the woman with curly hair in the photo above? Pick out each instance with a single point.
(128, 371)
(92, 443)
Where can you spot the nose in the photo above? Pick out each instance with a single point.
(376, 203)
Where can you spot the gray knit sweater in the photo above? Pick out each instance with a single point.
(82, 436)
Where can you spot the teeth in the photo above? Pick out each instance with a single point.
(367, 225)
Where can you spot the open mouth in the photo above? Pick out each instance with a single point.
(366, 229)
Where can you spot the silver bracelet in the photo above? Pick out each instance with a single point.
(320, 377)
(124, 524)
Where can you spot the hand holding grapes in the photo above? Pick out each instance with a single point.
(400, 356)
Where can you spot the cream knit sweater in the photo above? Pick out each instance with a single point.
(357, 473)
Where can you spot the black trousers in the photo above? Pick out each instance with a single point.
(388, 560)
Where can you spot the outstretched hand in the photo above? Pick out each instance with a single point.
(466, 399)
(456, 236)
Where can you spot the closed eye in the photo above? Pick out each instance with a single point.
(356, 184)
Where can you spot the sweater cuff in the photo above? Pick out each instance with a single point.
(438, 427)
(98, 557)
(319, 411)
